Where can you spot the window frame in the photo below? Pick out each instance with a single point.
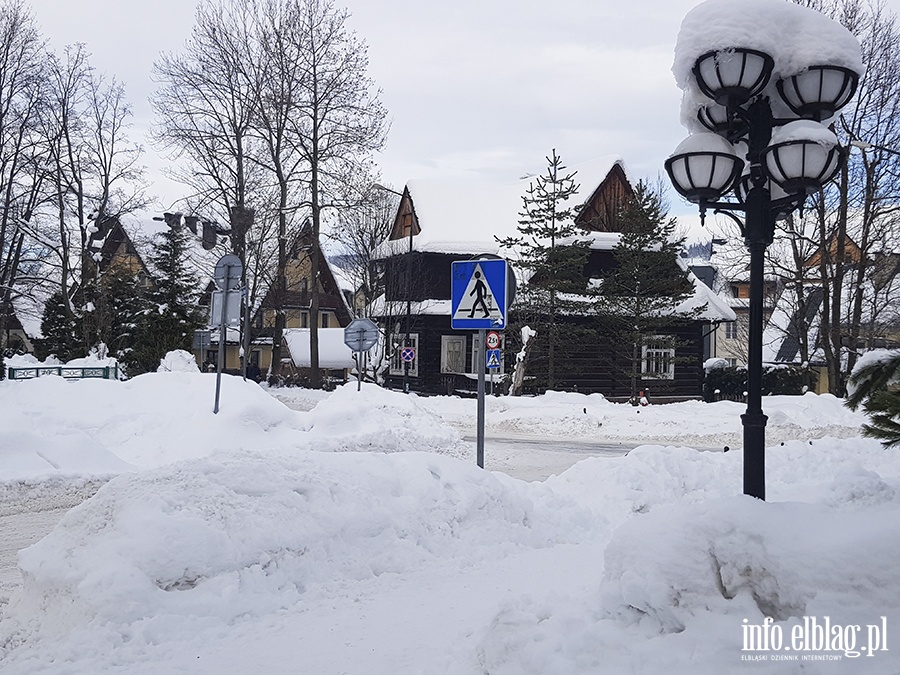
(446, 340)
(652, 353)
(396, 364)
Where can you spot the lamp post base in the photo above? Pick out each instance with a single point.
(755, 454)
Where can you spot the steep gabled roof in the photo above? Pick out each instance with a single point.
(464, 217)
(327, 279)
(852, 252)
(790, 344)
(600, 207)
(109, 242)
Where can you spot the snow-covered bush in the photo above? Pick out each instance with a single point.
(178, 361)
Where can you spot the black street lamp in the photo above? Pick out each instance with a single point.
(769, 163)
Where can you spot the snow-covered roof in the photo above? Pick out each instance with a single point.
(597, 241)
(29, 310)
(344, 282)
(381, 307)
(715, 308)
(333, 353)
(466, 217)
(201, 262)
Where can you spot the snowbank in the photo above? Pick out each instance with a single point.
(698, 563)
(692, 423)
(157, 555)
(101, 427)
(178, 361)
(351, 538)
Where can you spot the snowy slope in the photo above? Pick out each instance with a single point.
(360, 537)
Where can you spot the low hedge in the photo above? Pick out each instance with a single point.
(730, 382)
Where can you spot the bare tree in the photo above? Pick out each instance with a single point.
(340, 123)
(21, 159)
(206, 107)
(359, 230)
(279, 69)
(94, 175)
(851, 218)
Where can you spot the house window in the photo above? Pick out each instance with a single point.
(324, 319)
(659, 361)
(488, 371)
(453, 354)
(397, 363)
(731, 330)
(304, 320)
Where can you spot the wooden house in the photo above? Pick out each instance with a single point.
(439, 223)
(14, 339)
(334, 304)
(113, 249)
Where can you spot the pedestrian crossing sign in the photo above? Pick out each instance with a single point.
(478, 290)
(492, 358)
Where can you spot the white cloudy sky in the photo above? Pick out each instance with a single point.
(480, 87)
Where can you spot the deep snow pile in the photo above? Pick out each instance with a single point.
(693, 423)
(244, 542)
(679, 585)
(165, 551)
(102, 427)
(178, 361)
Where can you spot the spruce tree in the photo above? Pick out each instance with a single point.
(874, 387)
(639, 296)
(551, 260)
(61, 332)
(171, 314)
(121, 304)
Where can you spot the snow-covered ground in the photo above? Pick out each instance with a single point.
(352, 532)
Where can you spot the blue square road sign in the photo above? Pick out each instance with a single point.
(478, 293)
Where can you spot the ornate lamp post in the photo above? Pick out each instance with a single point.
(757, 118)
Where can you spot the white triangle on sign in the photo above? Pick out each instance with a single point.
(478, 299)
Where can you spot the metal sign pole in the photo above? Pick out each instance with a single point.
(228, 283)
(245, 335)
(221, 355)
(480, 360)
(490, 281)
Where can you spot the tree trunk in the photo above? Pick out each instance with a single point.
(280, 287)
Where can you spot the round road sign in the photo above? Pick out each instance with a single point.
(228, 272)
(408, 354)
(492, 340)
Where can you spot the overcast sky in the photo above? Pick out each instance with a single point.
(480, 88)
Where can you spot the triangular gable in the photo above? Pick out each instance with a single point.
(852, 252)
(405, 218)
(327, 280)
(115, 246)
(464, 216)
(601, 208)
